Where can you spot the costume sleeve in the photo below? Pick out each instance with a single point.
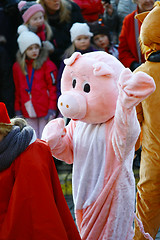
(37, 208)
(51, 72)
(133, 88)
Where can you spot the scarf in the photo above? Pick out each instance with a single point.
(13, 145)
(154, 57)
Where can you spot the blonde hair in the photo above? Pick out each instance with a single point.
(22, 62)
(64, 12)
(69, 51)
(36, 64)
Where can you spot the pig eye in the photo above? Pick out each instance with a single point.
(86, 88)
(74, 83)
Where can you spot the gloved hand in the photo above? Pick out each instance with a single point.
(50, 115)
(134, 65)
(48, 46)
(19, 114)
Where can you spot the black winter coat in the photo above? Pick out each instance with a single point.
(61, 34)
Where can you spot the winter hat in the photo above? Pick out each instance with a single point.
(99, 28)
(26, 39)
(28, 9)
(4, 117)
(78, 29)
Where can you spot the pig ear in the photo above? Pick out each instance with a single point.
(101, 69)
(72, 59)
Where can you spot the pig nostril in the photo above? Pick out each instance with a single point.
(67, 106)
(61, 104)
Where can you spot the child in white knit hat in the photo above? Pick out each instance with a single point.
(80, 38)
(81, 42)
(35, 82)
(33, 17)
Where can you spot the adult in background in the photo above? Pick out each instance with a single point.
(61, 14)
(91, 9)
(9, 21)
(6, 79)
(123, 8)
(111, 20)
(129, 49)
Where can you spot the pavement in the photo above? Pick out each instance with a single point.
(65, 176)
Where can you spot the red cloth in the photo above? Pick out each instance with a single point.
(32, 205)
(41, 32)
(44, 82)
(91, 10)
(4, 117)
(127, 41)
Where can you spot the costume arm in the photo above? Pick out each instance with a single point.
(59, 139)
(133, 88)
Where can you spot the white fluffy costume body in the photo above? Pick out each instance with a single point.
(100, 95)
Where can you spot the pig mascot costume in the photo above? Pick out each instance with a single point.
(100, 95)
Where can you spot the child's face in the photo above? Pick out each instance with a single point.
(82, 42)
(37, 20)
(101, 41)
(32, 52)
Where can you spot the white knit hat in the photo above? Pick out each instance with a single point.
(26, 39)
(78, 29)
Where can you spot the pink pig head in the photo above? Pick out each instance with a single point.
(89, 87)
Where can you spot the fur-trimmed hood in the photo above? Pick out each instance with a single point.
(38, 62)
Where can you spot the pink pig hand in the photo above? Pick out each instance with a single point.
(134, 87)
(53, 132)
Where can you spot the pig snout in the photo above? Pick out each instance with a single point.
(72, 105)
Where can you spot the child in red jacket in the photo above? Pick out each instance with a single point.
(35, 82)
(34, 20)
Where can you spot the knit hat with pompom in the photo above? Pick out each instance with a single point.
(26, 39)
(28, 9)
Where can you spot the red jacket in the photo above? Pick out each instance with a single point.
(44, 89)
(127, 41)
(32, 205)
(91, 10)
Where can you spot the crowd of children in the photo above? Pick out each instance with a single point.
(37, 78)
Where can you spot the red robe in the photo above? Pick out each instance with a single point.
(32, 205)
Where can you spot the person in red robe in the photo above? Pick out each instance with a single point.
(32, 205)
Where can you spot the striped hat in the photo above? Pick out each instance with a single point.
(28, 9)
